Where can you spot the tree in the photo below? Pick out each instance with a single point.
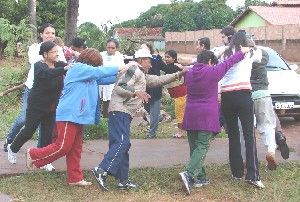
(32, 18)
(71, 20)
(94, 37)
(179, 17)
(213, 14)
(52, 11)
(11, 34)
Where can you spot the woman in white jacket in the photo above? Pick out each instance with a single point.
(238, 104)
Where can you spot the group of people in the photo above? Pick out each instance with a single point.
(66, 88)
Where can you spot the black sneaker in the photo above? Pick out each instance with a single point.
(187, 181)
(150, 136)
(281, 142)
(234, 178)
(199, 183)
(5, 145)
(100, 176)
(127, 185)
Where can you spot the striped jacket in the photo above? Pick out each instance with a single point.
(134, 79)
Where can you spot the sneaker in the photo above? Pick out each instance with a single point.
(283, 147)
(258, 184)
(187, 181)
(49, 167)
(100, 176)
(29, 163)
(272, 165)
(81, 183)
(5, 146)
(11, 156)
(127, 185)
(199, 183)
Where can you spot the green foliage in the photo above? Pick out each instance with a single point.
(154, 17)
(13, 11)
(184, 15)
(100, 131)
(94, 37)
(11, 34)
(212, 14)
(179, 18)
(52, 11)
(169, 105)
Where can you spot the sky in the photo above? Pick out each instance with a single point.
(116, 11)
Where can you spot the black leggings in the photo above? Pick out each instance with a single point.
(239, 105)
(33, 119)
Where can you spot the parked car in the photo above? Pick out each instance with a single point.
(284, 85)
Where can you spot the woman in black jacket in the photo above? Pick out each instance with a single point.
(42, 100)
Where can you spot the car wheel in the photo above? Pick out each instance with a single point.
(297, 118)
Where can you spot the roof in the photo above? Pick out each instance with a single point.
(273, 15)
(129, 32)
(288, 2)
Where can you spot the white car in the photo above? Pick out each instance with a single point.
(284, 85)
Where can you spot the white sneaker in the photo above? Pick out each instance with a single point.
(11, 156)
(258, 184)
(49, 167)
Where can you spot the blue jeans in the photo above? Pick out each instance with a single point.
(116, 160)
(154, 117)
(20, 121)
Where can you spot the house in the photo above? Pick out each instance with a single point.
(153, 35)
(282, 12)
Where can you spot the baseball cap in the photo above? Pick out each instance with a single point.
(142, 53)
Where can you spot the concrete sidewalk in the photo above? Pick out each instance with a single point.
(157, 153)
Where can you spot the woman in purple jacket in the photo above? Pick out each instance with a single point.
(201, 117)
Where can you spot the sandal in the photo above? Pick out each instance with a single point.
(81, 183)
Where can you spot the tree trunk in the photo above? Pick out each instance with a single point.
(32, 19)
(71, 20)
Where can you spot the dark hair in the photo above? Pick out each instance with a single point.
(238, 39)
(91, 56)
(114, 41)
(78, 42)
(173, 54)
(205, 56)
(42, 29)
(228, 31)
(46, 47)
(205, 42)
(44, 26)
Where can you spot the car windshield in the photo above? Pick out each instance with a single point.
(275, 63)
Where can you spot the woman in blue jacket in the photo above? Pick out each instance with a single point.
(76, 107)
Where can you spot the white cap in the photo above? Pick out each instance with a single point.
(142, 53)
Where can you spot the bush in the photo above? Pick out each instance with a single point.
(100, 131)
(168, 104)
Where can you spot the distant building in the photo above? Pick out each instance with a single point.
(282, 12)
(153, 35)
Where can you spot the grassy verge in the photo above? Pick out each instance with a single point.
(158, 185)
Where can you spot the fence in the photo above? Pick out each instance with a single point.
(284, 39)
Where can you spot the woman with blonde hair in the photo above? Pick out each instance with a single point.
(76, 108)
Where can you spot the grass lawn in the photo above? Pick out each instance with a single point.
(157, 185)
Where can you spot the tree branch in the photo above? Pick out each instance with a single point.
(12, 89)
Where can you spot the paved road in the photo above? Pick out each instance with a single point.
(156, 152)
